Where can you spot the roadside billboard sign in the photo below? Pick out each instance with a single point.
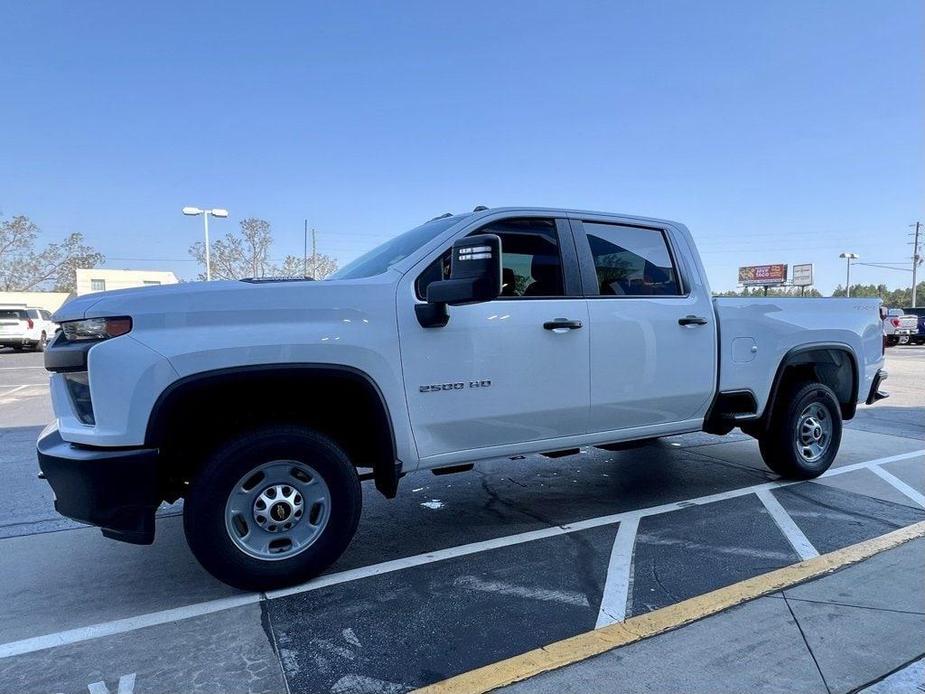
(763, 275)
(802, 275)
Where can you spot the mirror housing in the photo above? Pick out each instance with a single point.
(475, 277)
(475, 272)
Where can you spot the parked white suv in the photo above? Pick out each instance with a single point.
(26, 328)
(472, 337)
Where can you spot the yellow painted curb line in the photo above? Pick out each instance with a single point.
(592, 643)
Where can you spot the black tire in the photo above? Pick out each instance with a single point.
(41, 344)
(204, 507)
(780, 446)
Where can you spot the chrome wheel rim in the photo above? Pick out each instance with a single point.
(813, 432)
(277, 510)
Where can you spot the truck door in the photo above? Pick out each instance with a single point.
(653, 338)
(506, 371)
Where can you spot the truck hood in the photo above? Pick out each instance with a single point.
(226, 295)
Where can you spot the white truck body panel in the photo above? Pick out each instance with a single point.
(755, 334)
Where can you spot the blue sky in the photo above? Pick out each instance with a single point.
(778, 131)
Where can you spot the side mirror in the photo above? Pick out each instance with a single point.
(475, 276)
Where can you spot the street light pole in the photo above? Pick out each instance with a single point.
(221, 214)
(205, 222)
(849, 257)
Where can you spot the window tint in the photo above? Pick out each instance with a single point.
(33, 313)
(631, 262)
(45, 315)
(530, 259)
(14, 315)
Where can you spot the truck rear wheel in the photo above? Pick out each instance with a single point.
(272, 508)
(805, 432)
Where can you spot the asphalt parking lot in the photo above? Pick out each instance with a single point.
(466, 570)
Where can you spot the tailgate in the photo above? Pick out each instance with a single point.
(12, 327)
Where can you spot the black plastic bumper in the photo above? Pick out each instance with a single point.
(115, 489)
(875, 392)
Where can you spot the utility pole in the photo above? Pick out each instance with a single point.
(915, 260)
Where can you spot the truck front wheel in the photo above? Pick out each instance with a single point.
(272, 508)
(804, 434)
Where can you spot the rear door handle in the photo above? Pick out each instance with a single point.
(562, 324)
(692, 320)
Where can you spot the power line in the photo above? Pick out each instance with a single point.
(885, 267)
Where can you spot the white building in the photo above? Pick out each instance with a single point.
(50, 301)
(101, 280)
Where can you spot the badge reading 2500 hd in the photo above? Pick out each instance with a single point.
(459, 385)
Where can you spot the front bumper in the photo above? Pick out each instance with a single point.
(115, 489)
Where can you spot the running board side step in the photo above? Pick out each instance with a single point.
(561, 454)
(453, 469)
(624, 445)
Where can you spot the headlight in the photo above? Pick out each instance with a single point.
(95, 328)
(78, 387)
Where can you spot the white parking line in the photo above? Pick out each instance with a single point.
(617, 585)
(900, 485)
(791, 530)
(16, 389)
(120, 626)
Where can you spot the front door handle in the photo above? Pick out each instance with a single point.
(562, 324)
(692, 320)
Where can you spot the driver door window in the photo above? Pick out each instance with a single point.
(531, 261)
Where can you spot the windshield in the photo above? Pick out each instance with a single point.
(384, 256)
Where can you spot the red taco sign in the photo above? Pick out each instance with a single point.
(763, 275)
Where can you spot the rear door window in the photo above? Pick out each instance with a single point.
(631, 261)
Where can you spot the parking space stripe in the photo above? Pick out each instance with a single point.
(899, 485)
(94, 631)
(121, 626)
(591, 643)
(16, 389)
(787, 526)
(619, 571)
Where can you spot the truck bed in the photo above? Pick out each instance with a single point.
(756, 334)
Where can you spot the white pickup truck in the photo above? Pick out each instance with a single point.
(899, 326)
(477, 336)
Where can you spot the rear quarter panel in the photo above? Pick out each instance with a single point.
(756, 334)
